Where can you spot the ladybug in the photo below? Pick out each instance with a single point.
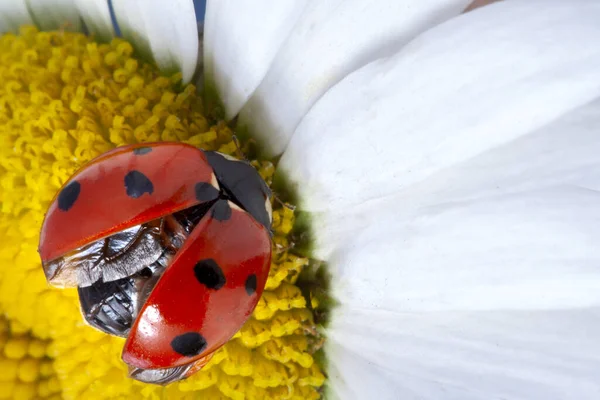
(168, 245)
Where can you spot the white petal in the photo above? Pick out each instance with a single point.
(55, 14)
(510, 355)
(472, 299)
(471, 84)
(132, 25)
(489, 253)
(165, 30)
(96, 15)
(563, 152)
(332, 39)
(240, 40)
(13, 14)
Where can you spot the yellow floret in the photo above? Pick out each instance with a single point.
(65, 100)
(24, 374)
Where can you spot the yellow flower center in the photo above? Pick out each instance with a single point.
(27, 371)
(64, 100)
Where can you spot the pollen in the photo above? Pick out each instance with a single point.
(66, 99)
(27, 371)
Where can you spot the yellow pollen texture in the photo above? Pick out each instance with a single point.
(26, 371)
(65, 99)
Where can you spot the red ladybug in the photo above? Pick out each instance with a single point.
(169, 246)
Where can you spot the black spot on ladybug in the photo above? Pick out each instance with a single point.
(137, 184)
(205, 192)
(189, 344)
(68, 196)
(243, 184)
(251, 285)
(221, 211)
(140, 151)
(209, 274)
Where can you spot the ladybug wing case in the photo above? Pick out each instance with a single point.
(206, 294)
(121, 189)
(168, 245)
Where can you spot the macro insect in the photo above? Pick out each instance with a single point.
(168, 245)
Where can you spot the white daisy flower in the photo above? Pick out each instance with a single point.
(450, 161)
(445, 159)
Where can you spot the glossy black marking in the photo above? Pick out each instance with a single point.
(140, 151)
(68, 196)
(137, 184)
(209, 274)
(221, 211)
(189, 344)
(205, 192)
(251, 285)
(243, 184)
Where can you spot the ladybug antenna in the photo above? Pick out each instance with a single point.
(282, 203)
(238, 148)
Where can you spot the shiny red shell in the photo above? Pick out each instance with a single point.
(101, 206)
(215, 280)
(212, 285)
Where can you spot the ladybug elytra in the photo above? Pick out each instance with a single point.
(169, 246)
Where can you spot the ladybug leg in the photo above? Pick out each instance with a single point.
(238, 148)
(283, 203)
